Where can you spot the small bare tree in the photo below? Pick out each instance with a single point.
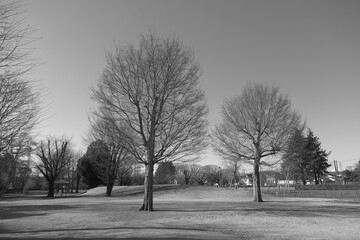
(153, 88)
(233, 166)
(257, 124)
(54, 156)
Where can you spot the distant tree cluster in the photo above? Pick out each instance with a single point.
(304, 160)
(352, 174)
(210, 175)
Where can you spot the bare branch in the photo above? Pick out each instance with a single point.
(19, 98)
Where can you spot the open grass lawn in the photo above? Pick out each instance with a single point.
(181, 213)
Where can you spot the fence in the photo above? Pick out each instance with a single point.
(336, 194)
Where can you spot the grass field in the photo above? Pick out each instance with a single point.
(181, 213)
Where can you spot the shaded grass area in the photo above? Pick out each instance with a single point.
(180, 213)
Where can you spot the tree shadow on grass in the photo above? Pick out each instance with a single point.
(11, 212)
(15, 198)
(109, 228)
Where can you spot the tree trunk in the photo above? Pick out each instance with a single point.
(77, 182)
(187, 179)
(148, 188)
(51, 188)
(304, 181)
(257, 183)
(22, 186)
(316, 177)
(109, 186)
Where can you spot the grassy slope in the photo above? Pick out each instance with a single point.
(175, 192)
(121, 191)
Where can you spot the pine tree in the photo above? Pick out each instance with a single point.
(294, 166)
(316, 157)
(165, 173)
(304, 159)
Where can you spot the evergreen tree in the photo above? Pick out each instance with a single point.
(304, 160)
(293, 165)
(165, 173)
(88, 172)
(93, 165)
(315, 157)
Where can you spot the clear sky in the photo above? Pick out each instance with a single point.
(311, 49)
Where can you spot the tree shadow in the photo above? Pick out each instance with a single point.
(105, 228)
(14, 198)
(11, 212)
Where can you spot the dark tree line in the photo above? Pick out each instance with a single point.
(352, 174)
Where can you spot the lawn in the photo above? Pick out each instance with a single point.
(181, 213)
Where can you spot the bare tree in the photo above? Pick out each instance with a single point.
(70, 170)
(16, 154)
(257, 124)
(233, 166)
(19, 98)
(54, 156)
(153, 88)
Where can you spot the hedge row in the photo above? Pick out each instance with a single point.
(328, 187)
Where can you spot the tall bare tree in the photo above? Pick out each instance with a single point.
(54, 155)
(256, 124)
(19, 97)
(153, 88)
